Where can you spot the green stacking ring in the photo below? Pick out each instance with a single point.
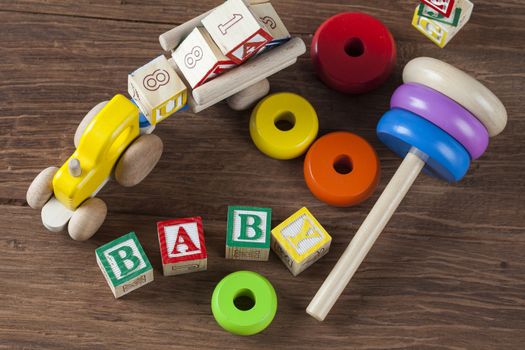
(248, 285)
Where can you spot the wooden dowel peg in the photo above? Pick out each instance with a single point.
(367, 234)
(74, 167)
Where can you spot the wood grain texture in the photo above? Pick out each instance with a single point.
(447, 273)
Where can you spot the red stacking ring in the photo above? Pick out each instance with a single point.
(353, 52)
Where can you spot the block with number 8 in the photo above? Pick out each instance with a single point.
(236, 30)
(157, 90)
(199, 59)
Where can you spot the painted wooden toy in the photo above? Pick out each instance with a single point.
(283, 125)
(341, 169)
(243, 85)
(353, 53)
(273, 23)
(110, 144)
(440, 29)
(248, 233)
(182, 247)
(439, 141)
(237, 31)
(109, 140)
(124, 264)
(300, 241)
(443, 7)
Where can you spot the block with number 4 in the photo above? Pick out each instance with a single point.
(199, 58)
(300, 241)
(273, 23)
(182, 247)
(157, 90)
(438, 31)
(248, 233)
(124, 264)
(236, 30)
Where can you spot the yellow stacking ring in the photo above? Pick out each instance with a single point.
(283, 125)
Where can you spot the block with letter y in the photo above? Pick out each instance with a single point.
(300, 241)
(124, 264)
(182, 246)
(248, 233)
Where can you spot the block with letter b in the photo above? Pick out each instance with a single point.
(300, 241)
(182, 246)
(273, 23)
(199, 58)
(238, 33)
(248, 233)
(438, 29)
(157, 90)
(124, 264)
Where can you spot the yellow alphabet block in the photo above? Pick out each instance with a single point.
(300, 241)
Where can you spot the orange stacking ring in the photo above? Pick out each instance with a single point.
(341, 169)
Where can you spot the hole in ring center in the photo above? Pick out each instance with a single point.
(244, 300)
(285, 121)
(343, 164)
(354, 47)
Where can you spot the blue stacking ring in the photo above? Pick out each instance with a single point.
(399, 130)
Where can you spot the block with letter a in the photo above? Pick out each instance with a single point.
(300, 241)
(182, 246)
(238, 33)
(248, 233)
(273, 23)
(124, 264)
(199, 59)
(444, 7)
(157, 90)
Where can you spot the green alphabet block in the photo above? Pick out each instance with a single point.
(248, 233)
(124, 264)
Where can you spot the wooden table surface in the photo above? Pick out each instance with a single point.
(448, 272)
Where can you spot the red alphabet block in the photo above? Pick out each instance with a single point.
(182, 246)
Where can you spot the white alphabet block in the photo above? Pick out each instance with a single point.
(273, 23)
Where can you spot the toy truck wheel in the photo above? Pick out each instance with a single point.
(87, 119)
(87, 219)
(41, 189)
(138, 160)
(246, 98)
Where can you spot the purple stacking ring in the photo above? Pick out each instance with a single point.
(444, 113)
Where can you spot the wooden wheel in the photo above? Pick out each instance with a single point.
(41, 189)
(87, 119)
(87, 219)
(246, 98)
(138, 160)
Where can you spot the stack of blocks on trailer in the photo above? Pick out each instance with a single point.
(182, 246)
(441, 20)
(300, 241)
(124, 264)
(248, 233)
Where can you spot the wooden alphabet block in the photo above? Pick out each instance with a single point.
(443, 7)
(124, 264)
(182, 246)
(453, 19)
(437, 30)
(300, 241)
(199, 59)
(273, 23)
(248, 233)
(236, 30)
(157, 90)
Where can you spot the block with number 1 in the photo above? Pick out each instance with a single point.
(236, 30)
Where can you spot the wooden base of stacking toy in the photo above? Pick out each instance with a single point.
(428, 142)
(124, 265)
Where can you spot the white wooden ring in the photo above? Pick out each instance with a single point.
(460, 87)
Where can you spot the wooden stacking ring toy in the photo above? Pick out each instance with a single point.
(290, 141)
(341, 169)
(460, 87)
(424, 146)
(353, 52)
(444, 113)
(258, 309)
